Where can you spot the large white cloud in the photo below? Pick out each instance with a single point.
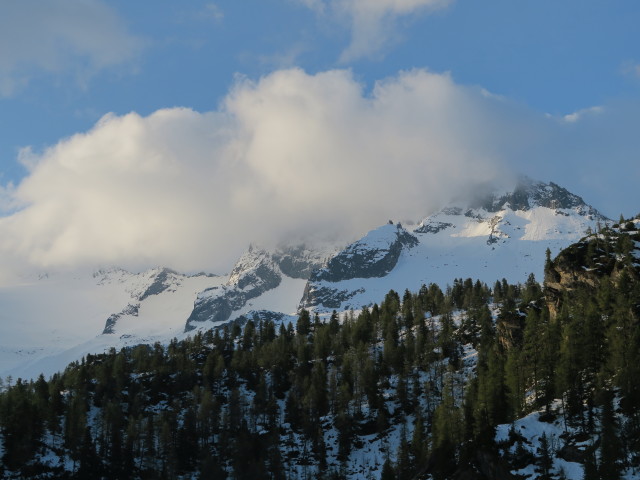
(372, 22)
(292, 154)
(62, 37)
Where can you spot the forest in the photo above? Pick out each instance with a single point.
(413, 387)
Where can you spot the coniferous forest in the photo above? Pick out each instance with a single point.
(426, 384)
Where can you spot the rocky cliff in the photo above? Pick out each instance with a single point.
(613, 252)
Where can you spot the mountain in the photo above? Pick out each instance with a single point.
(492, 237)
(518, 381)
(47, 322)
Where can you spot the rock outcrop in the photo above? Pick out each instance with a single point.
(609, 253)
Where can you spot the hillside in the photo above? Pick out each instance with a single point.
(475, 381)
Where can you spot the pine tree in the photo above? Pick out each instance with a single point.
(515, 381)
(545, 459)
(75, 425)
(610, 446)
(419, 445)
(590, 471)
(388, 472)
(547, 261)
(447, 433)
(405, 467)
(22, 425)
(90, 464)
(303, 325)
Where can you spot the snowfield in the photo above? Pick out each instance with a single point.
(50, 321)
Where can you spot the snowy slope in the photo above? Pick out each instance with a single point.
(47, 322)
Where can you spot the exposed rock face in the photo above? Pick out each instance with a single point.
(254, 273)
(297, 261)
(433, 227)
(257, 272)
(161, 283)
(529, 194)
(566, 273)
(331, 298)
(375, 255)
(585, 263)
(510, 327)
(110, 324)
(501, 216)
(262, 315)
(214, 308)
(577, 447)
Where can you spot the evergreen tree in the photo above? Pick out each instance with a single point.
(388, 472)
(447, 433)
(590, 471)
(405, 467)
(22, 425)
(610, 447)
(90, 464)
(303, 325)
(419, 445)
(545, 460)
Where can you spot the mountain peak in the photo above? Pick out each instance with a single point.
(528, 194)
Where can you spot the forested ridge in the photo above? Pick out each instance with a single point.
(417, 386)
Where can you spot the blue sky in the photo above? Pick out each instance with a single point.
(546, 88)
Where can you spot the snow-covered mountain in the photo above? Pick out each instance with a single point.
(47, 322)
(492, 237)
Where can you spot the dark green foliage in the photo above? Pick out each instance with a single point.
(388, 472)
(22, 415)
(610, 446)
(590, 468)
(545, 461)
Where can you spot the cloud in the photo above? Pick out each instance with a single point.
(372, 22)
(631, 69)
(293, 154)
(74, 38)
(326, 143)
(213, 12)
(576, 116)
